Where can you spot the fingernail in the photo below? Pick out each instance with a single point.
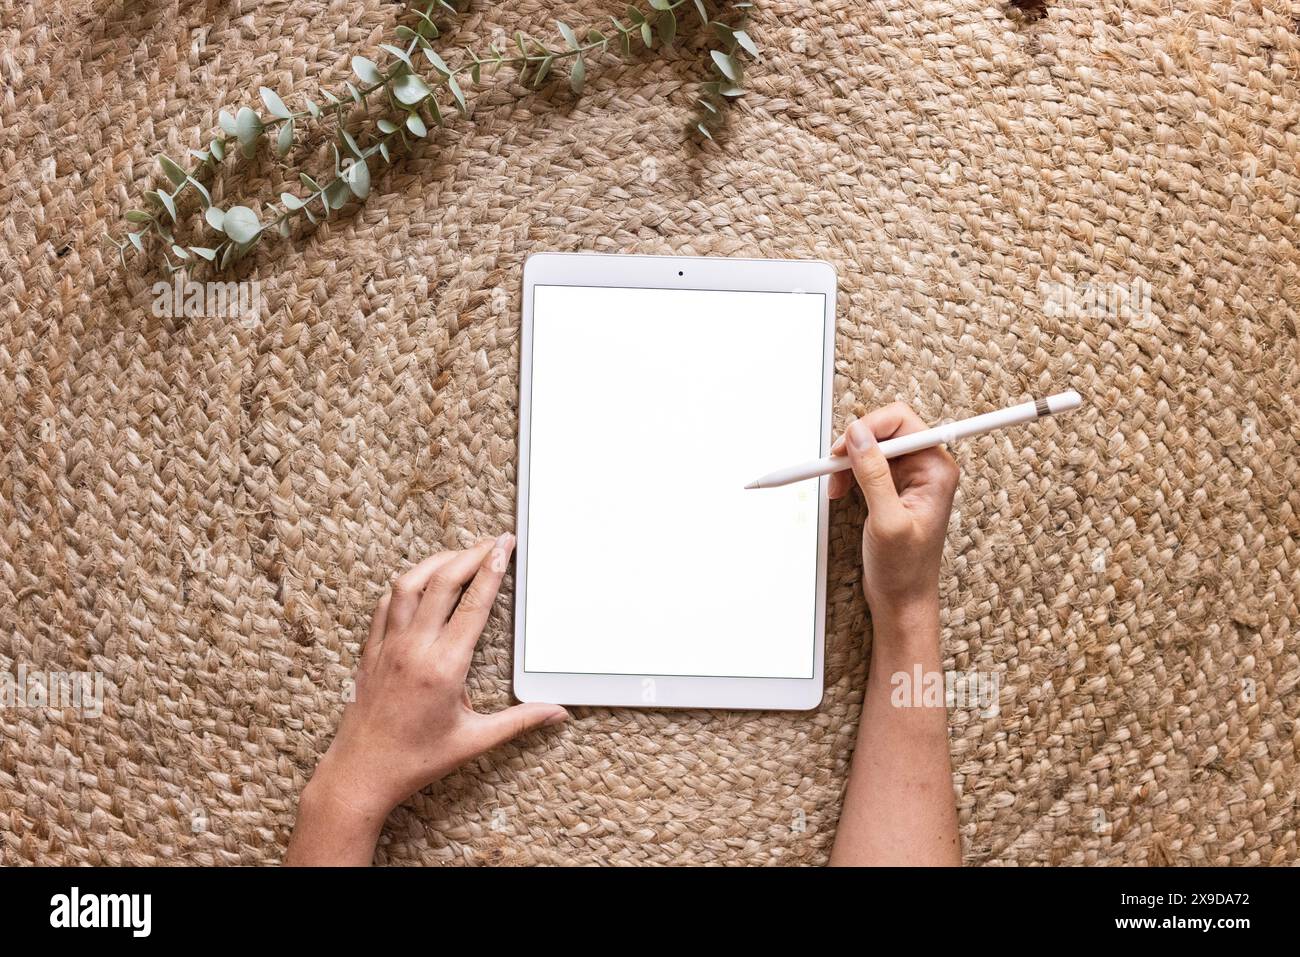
(501, 551)
(559, 717)
(860, 437)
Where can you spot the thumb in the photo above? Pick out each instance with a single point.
(495, 730)
(871, 469)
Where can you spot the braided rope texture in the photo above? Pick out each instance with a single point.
(205, 510)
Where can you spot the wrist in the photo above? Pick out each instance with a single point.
(911, 607)
(331, 830)
(338, 790)
(906, 627)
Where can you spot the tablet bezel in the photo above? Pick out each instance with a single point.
(671, 272)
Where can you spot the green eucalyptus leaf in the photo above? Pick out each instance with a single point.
(438, 63)
(406, 33)
(578, 74)
(625, 43)
(358, 178)
(330, 98)
(168, 204)
(569, 36)
(410, 89)
(387, 127)
(432, 103)
(595, 36)
(205, 252)
(474, 74)
(312, 108)
(138, 216)
(668, 26)
(383, 151)
(218, 150)
(136, 241)
(647, 34)
(704, 129)
(274, 104)
(248, 126)
(729, 65)
(173, 170)
(366, 70)
(351, 143)
(353, 91)
(337, 193)
(635, 15)
(201, 155)
(201, 190)
(227, 123)
(241, 224)
(284, 140)
(291, 201)
(456, 92)
(704, 14)
(730, 89)
(543, 69)
(661, 4)
(214, 215)
(746, 42)
(282, 227)
(399, 53)
(310, 183)
(416, 125)
(179, 252)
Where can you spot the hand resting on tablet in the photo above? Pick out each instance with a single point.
(411, 723)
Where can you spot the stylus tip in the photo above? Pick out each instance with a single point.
(753, 485)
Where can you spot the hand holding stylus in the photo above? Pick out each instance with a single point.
(898, 808)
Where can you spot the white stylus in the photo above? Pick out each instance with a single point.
(939, 435)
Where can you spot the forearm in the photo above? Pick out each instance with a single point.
(899, 806)
(330, 832)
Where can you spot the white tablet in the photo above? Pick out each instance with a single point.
(652, 390)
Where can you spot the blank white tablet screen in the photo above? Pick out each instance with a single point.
(651, 410)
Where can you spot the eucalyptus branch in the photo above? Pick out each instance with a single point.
(244, 130)
(415, 99)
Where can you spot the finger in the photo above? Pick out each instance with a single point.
(893, 420)
(493, 730)
(409, 588)
(884, 423)
(443, 590)
(471, 614)
(871, 469)
(927, 467)
(839, 485)
(378, 622)
(923, 474)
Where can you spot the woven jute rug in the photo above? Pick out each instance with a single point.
(204, 510)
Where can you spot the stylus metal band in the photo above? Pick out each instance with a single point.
(1040, 406)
